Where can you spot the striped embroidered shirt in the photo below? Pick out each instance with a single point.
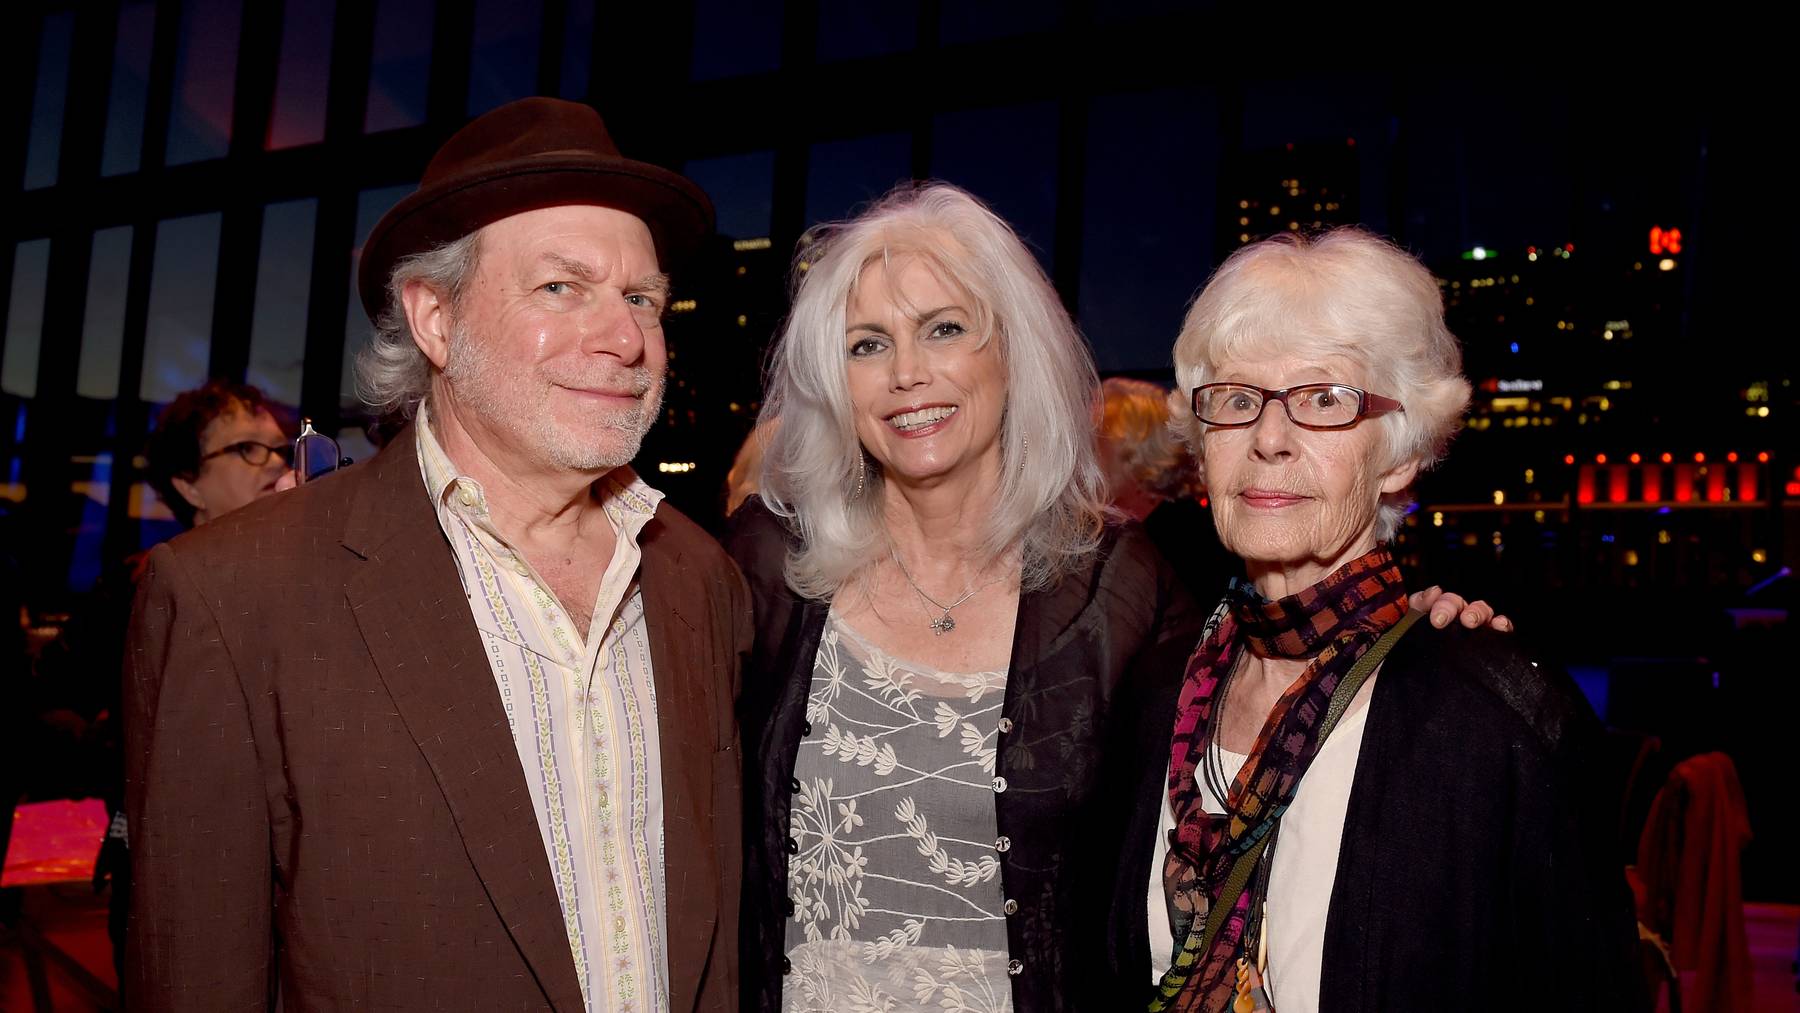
(582, 709)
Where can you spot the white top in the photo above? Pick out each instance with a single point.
(1304, 869)
(895, 876)
(581, 705)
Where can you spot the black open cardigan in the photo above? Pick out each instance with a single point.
(1074, 646)
(1476, 871)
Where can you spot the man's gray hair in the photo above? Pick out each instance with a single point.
(392, 374)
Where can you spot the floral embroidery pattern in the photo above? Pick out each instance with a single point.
(896, 882)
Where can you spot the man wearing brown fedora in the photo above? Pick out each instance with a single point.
(454, 730)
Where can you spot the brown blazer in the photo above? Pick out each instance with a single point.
(325, 799)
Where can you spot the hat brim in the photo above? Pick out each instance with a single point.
(678, 213)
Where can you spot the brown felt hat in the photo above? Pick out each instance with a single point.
(530, 154)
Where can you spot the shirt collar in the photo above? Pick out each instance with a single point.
(628, 499)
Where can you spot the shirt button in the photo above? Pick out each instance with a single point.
(466, 494)
(1003, 844)
(523, 569)
(1011, 906)
(793, 846)
(787, 966)
(794, 784)
(1014, 967)
(999, 785)
(1005, 725)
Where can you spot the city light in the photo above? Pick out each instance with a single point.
(1479, 253)
(1664, 241)
(1665, 264)
(674, 467)
(743, 245)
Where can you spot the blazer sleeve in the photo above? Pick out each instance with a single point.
(200, 929)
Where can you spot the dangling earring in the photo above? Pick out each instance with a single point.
(1024, 450)
(861, 469)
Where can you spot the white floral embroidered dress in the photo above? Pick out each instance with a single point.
(898, 904)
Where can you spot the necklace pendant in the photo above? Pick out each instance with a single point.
(943, 625)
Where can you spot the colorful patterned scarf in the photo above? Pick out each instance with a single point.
(1334, 622)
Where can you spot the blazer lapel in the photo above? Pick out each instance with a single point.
(411, 610)
(674, 610)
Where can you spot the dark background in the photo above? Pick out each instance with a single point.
(193, 180)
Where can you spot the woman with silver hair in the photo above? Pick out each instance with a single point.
(944, 611)
(1321, 815)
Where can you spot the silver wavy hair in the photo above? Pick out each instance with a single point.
(1051, 500)
(392, 374)
(1346, 293)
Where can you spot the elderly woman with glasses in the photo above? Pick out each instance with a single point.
(1322, 815)
(945, 609)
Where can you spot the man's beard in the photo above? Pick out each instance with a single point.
(506, 399)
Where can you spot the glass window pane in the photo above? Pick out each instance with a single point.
(283, 282)
(742, 188)
(980, 20)
(1147, 232)
(578, 49)
(1018, 178)
(178, 333)
(103, 325)
(851, 29)
(302, 75)
(842, 176)
(503, 60)
(25, 318)
(735, 37)
(400, 64)
(205, 77)
(124, 144)
(44, 151)
(92, 482)
(370, 206)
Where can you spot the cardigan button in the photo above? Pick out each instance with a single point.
(793, 846)
(999, 785)
(1003, 844)
(794, 785)
(805, 728)
(787, 907)
(1011, 906)
(1005, 725)
(1015, 967)
(787, 966)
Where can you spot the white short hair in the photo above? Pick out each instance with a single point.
(1345, 293)
(1051, 500)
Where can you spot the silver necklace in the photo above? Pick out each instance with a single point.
(944, 623)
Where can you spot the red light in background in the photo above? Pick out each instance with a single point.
(1584, 485)
(1699, 458)
(1635, 459)
(1793, 489)
(1763, 458)
(1715, 485)
(1618, 484)
(1668, 458)
(1599, 458)
(1684, 483)
(1664, 241)
(1568, 458)
(1569, 247)
(1653, 483)
(1746, 486)
(1732, 457)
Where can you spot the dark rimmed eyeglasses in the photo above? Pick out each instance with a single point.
(1308, 405)
(254, 454)
(315, 454)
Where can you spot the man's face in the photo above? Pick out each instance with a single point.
(556, 356)
(226, 479)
